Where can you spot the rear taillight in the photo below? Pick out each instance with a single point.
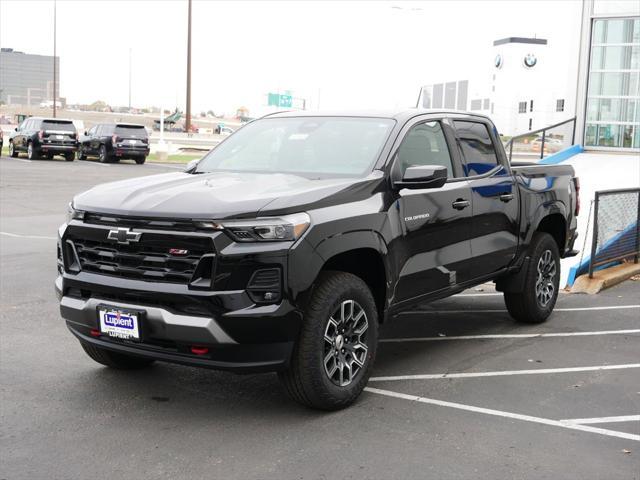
(114, 139)
(41, 134)
(576, 183)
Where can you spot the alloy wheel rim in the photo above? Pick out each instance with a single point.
(345, 343)
(10, 148)
(30, 151)
(545, 286)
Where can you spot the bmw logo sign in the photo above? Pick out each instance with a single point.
(498, 61)
(530, 60)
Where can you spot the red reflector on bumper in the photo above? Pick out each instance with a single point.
(199, 350)
(95, 333)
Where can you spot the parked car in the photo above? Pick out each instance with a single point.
(115, 142)
(551, 145)
(287, 244)
(44, 136)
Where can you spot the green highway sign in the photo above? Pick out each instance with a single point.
(279, 100)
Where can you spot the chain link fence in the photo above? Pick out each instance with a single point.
(616, 227)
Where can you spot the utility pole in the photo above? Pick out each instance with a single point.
(188, 121)
(129, 79)
(55, 68)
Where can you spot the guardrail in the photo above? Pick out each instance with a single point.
(616, 227)
(509, 145)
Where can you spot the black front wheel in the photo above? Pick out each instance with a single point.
(119, 361)
(535, 302)
(12, 150)
(140, 160)
(69, 156)
(335, 351)
(80, 155)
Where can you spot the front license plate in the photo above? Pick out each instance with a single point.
(119, 323)
(132, 142)
(59, 137)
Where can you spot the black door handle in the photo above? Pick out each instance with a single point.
(506, 197)
(460, 204)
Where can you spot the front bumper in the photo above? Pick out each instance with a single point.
(168, 336)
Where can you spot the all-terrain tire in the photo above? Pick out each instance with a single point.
(307, 380)
(119, 361)
(535, 302)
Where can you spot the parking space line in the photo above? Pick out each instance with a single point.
(94, 163)
(577, 309)
(508, 335)
(500, 413)
(619, 418)
(538, 371)
(16, 235)
(477, 295)
(19, 160)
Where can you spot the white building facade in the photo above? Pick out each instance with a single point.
(520, 89)
(608, 92)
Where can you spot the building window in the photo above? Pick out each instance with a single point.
(530, 123)
(485, 105)
(531, 106)
(560, 105)
(613, 94)
(476, 105)
(522, 107)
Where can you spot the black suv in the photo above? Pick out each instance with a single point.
(113, 142)
(44, 136)
(286, 245)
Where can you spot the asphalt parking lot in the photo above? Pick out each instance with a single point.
(458, 391)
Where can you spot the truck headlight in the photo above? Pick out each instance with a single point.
(287, 228)
(73, 214)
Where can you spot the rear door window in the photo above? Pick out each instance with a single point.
(131, 131)
(477, 148)
(60, 126)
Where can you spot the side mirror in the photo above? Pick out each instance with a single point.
(423, 176)
(85, 133)
(191, 165)
(16, 129)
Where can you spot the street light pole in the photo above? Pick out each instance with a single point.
(188, 121)
(129, 80)
(55, 68)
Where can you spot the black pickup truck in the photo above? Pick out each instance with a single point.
(287, 245)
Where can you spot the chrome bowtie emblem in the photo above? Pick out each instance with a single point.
(124, 236)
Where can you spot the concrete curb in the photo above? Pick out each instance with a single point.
(605, 278)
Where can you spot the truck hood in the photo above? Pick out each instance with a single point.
(216, 195)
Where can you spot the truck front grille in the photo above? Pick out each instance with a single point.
(155, 257)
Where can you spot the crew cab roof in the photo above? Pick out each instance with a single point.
(400, 115)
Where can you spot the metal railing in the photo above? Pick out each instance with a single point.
(509, 145)
(616, 227)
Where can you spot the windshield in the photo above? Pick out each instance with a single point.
(58, 125)
(310, 146)
(131, 130)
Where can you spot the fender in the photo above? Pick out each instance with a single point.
(313, 260)
(544, 210)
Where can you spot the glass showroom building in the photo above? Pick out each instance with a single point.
(609, 75)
